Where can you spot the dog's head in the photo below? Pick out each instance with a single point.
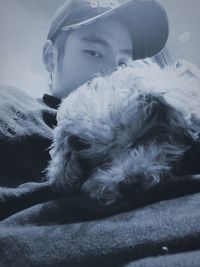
(110, 131)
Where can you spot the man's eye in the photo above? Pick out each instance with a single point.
(94, 53)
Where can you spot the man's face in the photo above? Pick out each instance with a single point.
(97, 48)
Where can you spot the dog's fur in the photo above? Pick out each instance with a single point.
(123, 132)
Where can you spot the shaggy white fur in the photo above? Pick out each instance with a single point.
(131, 125)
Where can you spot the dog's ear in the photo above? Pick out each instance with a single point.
(155, 107)
(168, 123)
(77, 144)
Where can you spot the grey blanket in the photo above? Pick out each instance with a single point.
(140, 232)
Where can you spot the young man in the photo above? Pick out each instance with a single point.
(86, 38)
(94, 37)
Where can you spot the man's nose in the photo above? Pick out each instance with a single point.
(111, 66)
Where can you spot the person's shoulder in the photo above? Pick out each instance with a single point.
(12, 95)
(10, 89)
(22, 114)
(21, 100)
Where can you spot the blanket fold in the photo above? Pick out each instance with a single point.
(56, 209)
(160, 229)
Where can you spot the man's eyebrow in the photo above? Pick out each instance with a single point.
(98, 40)
(95, 40)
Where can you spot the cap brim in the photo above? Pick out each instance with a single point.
(147, 22)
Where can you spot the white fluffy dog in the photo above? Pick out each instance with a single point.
(123, 132)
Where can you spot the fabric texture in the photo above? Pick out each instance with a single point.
(25, 135)
(66, 233)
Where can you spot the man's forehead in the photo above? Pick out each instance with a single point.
(107, 33)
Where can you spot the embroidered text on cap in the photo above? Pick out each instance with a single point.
(104, 3)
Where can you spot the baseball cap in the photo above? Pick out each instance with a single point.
(146, 20)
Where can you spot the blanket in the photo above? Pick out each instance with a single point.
(158, 227)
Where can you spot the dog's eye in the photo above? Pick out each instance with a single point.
(77, 143)
(131, 145)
